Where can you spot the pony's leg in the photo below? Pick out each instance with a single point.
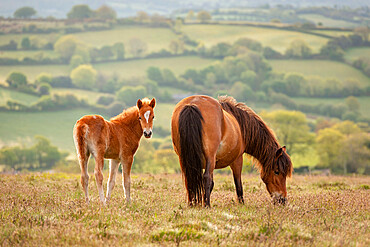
(98, 172)
(236, 167)
(113, 168)
(208, 181)
(83, 160)
(126, 182)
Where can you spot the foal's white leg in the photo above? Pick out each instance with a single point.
(113, 168)
(126, 181)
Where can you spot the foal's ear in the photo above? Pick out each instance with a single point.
(139, 103)
(279, 152)
(152, 103)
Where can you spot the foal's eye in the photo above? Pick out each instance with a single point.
(139, 118)
(153, 117)
(276, 172)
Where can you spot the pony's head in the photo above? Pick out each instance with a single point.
(146, 115)
(274, 176)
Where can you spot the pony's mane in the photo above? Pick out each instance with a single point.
(127, 116)
(258, 137)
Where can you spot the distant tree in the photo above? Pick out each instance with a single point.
(329, 147)
(84, 76)
(137, 47)
(81, 11)
(298, 49)
(16, 79)
(210, 80)
(26, 43)
(332, 51)
(66, 46)
(129, 94)
(106, 52)
(204, 16)
(363, 32)
(352, 103)
(44, 88)
(44, 77)
(105, 12)
(177, 46)
(241, 91)
(76, 60)
(119, 50)
(142, 16)
(24, 12)
(291, 128)
(155, 74)
(190, 16)
(169, 77)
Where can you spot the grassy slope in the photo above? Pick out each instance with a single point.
(31, 54)
(125, 69)
(355, 53)
(90, 96)
(325, 69)
(56, 126)
(364, 102)
(327, 22)
(155, 38)
(277, 39)
(24, 98)
(50, 210)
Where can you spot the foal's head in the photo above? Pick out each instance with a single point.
(275, 176)
(146, 115)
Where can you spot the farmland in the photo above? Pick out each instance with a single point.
(49, 209)
(276, 39)
(324, 69)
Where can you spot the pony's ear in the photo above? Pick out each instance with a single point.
(152, 103)
(284, 148)
(279, 152)
(139, 103)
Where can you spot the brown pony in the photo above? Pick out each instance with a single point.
(117, 140)
(209, 134)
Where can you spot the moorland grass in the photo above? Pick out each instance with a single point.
(49, 209)
(322, 68)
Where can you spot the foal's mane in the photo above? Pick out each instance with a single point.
(127, 116)
(259, 139)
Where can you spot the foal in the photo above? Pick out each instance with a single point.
(117, 140)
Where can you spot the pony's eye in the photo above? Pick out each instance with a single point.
(139, 118)
(153, 117)
(276, 172)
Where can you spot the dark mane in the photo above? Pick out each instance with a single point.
(258, 137)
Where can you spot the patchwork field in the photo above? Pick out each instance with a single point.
(327, 22)
(49, 209)
(324, 69)
(124, 69)
(355, 53)
(276, 39)
(24, 98)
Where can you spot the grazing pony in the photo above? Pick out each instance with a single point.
(117, 140)
(210, 134)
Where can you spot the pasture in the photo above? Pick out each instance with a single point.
(327, 22)
(354, 53)
(124, 69)
(49, 209)
(276, 39)
(321, 68)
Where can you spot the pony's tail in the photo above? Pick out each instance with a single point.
(192, 152)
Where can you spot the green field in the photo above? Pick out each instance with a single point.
(324, 69)
(90, 96)
(31, 54)
(364, 102)
(43, 38)
(50, 210)
(327, 22)
(276, 39)
(57, 126)
(355, 53)
(155, 38)
(125, 69)
(332, 33)
(163, 112)
(6, 94)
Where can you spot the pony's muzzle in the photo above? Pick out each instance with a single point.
(279, 200)
(147, 133)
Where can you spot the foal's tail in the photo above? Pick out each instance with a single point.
(192, 152)
(79, 133)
